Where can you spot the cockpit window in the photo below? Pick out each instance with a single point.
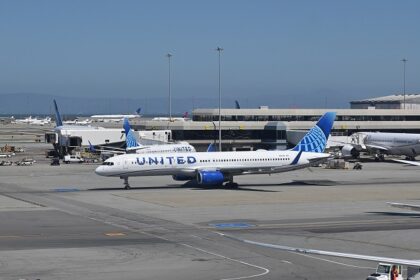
(108, 163)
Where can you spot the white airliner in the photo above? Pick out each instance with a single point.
(167, 119)
(78, 122)
(381, 143)
(215, 168)
(115, 118)
(133, 146)
(34, 121)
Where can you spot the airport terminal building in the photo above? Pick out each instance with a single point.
(245, 129)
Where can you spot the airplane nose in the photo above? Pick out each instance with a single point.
(100, 170)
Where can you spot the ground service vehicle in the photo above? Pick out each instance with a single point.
(384, 271)
(70, 158)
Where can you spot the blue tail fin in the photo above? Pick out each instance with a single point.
(211, 148)
(138, 111)
(237, 106)
(316, 139)
(58, 120)
(91, 147)
(130, 139)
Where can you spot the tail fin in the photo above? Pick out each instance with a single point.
(138, 111)
(58, 120)
(237, 106)
(211, 148)
(316, 139)
(91, 147)
(130, 139)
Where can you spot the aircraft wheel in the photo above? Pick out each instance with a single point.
(232, 185)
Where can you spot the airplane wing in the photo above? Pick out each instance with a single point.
(415, 163)
(376, 147)
(405, 206)
(415, 263)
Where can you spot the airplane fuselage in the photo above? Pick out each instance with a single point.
(395, 143)
(187, 164)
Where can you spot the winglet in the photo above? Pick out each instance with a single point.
(58, 120)
(316, 139)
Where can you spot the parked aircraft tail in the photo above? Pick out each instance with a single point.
(138, 111)
(58, 120)
(212, 148)
(316, 139)
(129, 135)
(91, 147)
(237, 106)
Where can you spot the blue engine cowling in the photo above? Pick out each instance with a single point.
(182, 177)
(210, 177)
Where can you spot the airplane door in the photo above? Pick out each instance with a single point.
(125, 164)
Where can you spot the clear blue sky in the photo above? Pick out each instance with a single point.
(279, 53)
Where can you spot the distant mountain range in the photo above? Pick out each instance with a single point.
(42, 104)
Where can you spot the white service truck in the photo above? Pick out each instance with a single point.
(384, 272)
(72, 159)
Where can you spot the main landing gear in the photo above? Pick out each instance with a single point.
(231, 183)
(379, 157)
(126, 184)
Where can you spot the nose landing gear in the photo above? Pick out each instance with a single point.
(126, 184)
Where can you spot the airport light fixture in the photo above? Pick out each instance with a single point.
(404, 62)
(169, 55)
(219, 50)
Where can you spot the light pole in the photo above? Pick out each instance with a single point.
(404, 61)
(169, 85)
(219, 50)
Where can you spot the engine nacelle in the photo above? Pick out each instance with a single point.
(210, 177)
(350, 151)
(182, 177)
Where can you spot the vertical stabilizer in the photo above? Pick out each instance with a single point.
(316, 139)
(130, 138)
(212, 148)
(58, 120)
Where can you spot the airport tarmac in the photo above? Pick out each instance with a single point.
(65, 222)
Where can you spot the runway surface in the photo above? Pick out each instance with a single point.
(67, 223)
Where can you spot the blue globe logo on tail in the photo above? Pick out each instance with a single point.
(316, 139)
(129, 135)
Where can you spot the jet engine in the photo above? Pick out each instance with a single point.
(210, 177)
(182, 177)
(350, 151)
